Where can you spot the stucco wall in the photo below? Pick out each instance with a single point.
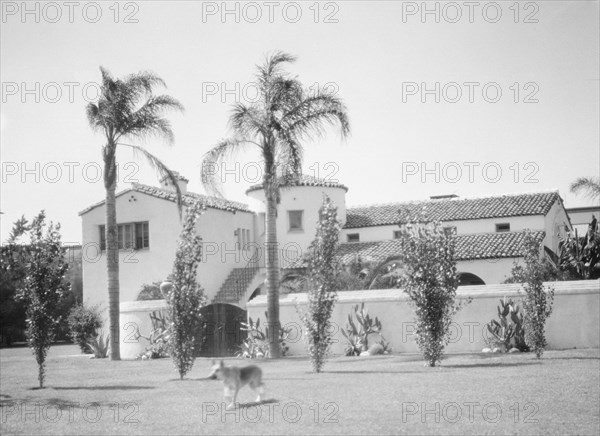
(575, 321)
(306, 198)
(216, 227)
(487, 225)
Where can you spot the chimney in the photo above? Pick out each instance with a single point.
(165, 183)
(443, 197)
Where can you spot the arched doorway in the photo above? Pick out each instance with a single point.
(221, 332)
(469, 279)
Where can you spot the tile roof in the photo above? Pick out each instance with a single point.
(188, 198)
(451, 209)
(305, 180)
(470, 246)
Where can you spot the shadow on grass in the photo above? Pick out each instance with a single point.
(571, 358)
(257, 403)
(54, 402)
(491, 364)
(370, 372)
(100, 388)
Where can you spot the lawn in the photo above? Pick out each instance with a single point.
(396, 394)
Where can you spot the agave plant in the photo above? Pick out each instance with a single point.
(99, 346)
(358, 337)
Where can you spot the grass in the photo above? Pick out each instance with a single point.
(468, 394)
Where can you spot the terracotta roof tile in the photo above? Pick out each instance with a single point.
(305, 180)
(474, 246)
(451, 209)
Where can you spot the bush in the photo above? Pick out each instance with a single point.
(150, 292)
(84, 322)
(537, 303)
(256, 344)
(508, 330)
(431, 282)
(185, 297)
(159, 338)
(322, 280)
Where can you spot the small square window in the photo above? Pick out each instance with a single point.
(295, 220)
(353, 237)
(503, 227)
(397, 234)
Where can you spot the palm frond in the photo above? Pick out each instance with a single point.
(590, 186)
(247, 121)
(147, 120)
(162, 170)
(210, 172)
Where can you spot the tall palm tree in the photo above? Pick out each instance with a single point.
(284, 114)
(127, 109)
(589, 185)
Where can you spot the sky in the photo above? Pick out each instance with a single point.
(472, 99)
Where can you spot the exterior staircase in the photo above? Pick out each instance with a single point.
(235, 286)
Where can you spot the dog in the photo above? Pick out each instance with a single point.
(234, 378)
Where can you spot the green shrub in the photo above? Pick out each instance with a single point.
(322, 280)
(99, 346)
(84, 322)
(159, 337)
(256, 344)
(430, 282)
(186, 297)
(508, 332)
(150, 292)
(537, 302)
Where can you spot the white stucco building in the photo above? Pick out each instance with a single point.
(488, 230)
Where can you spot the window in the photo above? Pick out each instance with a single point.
(243, 239)
(295, 220)
(503, 227)
(397, 234)
(353, 237)
(129, 236)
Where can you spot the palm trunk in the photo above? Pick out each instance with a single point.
(112, 267)
(272, 263)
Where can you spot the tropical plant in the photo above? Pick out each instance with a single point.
(159, 339)
(186, 297)
(127, 109)
(537, 301)
(322, 279)
(589, 185)
(43, 287)
(99, 345)
(431, 282)
(83, 324)
(256, 345)
(284, 115)
(358, 336)
(579, 257)
(151, 292)
(508, 329)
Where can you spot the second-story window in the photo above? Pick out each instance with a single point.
(353, 237)
(129, 236)
(295, 220)
(503, 227)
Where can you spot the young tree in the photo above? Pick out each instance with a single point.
(186, 297)
(430, 281)
(537, 302)
(127, 109)
(284, 114)
(43, 288)
(322, 284)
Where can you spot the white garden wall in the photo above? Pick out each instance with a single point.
(575, 321)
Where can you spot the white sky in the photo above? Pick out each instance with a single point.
(370, 55)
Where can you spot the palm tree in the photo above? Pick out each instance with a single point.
(284, 114)
(590, 186)
(125, 109)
